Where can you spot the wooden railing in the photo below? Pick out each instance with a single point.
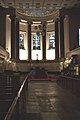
(12, 90)
(70, 83)
(13, 112)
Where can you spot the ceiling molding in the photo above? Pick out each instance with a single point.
(38, 9)
(53, 16)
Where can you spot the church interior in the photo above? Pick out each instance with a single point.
(39, 59)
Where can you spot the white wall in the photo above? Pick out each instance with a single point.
(8, 35)
(50, 54)
(50, 27)
(23, 54)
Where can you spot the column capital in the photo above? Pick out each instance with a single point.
(29, 22)
(13, 17)
(66, 16)
(17, 19)
(57, 20)
(61, 18)
(44, 23)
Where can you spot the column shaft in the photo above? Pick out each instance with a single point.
(17, 39)
(62, 38)
(44, 41)
(29, 41)
(2, 28)
(56, 40)
(13, 37)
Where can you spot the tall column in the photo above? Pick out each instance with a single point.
(13, 37)
(44, 41)
(56, 40)
(17, 39)
(66, 34)
(29, 40)
(62, 38)
(2, 28)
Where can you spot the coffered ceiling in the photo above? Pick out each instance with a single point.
(39, 8)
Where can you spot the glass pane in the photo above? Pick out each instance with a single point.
(21, 41)
(51, 41)
(36, 41)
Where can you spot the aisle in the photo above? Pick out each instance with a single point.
(47, 101)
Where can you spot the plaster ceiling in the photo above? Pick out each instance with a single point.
(39, 8)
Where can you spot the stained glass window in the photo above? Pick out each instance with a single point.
(21, 41)
(36, 41)
(51, 41)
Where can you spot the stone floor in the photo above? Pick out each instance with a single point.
(45, 100)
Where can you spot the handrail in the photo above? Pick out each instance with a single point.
(12, 107)
(71, 84)
(69, 77)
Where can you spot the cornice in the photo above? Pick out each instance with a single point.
(53, 16)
